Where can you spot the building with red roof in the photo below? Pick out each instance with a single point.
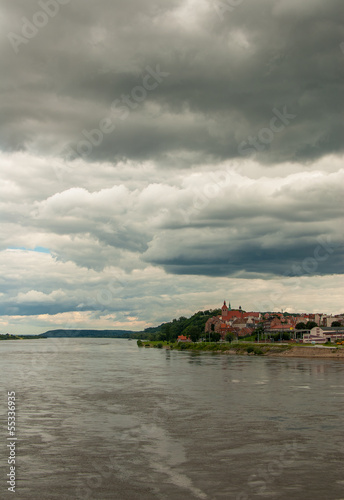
(182, 338)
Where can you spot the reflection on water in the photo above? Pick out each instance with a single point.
(103, 419)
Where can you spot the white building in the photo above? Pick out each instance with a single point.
(320, 335)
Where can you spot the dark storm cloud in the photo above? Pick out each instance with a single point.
(225, 78)
(254, 260)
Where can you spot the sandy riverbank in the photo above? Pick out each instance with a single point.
(310, 352)
(297, 352)
(291, 352)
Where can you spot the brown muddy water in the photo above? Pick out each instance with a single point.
(102, 419)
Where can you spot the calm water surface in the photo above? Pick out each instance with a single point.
(103, 419)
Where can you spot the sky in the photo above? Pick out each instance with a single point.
(160, 156)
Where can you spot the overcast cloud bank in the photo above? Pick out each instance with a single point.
(168, 156)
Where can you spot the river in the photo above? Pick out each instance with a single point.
(103, 419)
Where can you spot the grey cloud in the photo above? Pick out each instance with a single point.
(225, 79)
(261, 228)
(261, 225)
(251, 259)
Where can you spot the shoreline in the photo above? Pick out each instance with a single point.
(293, 352)
(311, 352)
(269, 350)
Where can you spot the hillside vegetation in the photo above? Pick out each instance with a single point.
(193, 327)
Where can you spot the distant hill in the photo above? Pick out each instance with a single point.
(88, 333)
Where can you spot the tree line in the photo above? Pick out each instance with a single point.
(192, 327)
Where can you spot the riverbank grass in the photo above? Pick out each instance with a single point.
(234, 347)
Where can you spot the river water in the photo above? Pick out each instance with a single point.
(102, 419)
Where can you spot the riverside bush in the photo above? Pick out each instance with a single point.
(258, 351)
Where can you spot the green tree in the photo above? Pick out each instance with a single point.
(259, 332)
(152, 336)
(335, 323)
(215, 337)
(165, 332)
(301, 326)
(230, 337)
(193, 332)
(310, 325)
(174, 331)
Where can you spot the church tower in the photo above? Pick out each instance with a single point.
(224, 310)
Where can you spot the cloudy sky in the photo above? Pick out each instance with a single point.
(160, 156)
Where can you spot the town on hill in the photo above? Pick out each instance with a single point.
(228, 324)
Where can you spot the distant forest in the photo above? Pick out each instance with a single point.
(118, 334)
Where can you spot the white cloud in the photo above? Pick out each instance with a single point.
(34, 296)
